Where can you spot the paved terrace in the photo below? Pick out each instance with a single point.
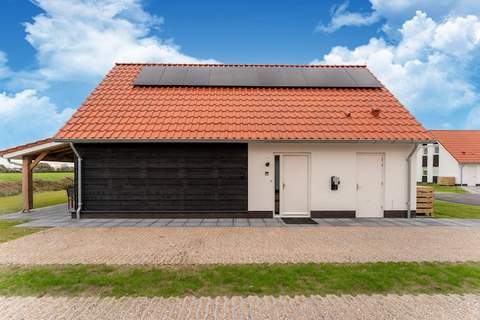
(56, 216)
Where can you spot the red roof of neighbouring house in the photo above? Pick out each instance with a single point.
(118, 110)
(463, 145)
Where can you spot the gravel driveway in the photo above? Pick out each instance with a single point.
(315, 307)
(176, 246)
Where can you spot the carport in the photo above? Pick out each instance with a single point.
(31, 154)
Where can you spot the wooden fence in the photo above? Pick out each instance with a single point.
(446, 181)
(425, 200)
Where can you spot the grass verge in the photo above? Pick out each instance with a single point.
(8, 232)
(242, 280)
(439, 188)
(444, 209)
(46, 176)
(42, 199)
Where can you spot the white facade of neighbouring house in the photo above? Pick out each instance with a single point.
(435, 160)
(373, 179)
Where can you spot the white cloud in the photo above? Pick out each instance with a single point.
(473, 120)
(426, 69)
(4, 69)
(341, 17)
(27, 116)
(83, 39)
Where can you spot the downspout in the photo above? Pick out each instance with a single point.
(79, 180)
(461, 174)
(409, 180)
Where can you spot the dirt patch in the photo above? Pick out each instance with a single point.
(10, 188)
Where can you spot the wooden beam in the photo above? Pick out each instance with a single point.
(38, 159)
(27, 184)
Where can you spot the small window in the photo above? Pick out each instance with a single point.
(424, 161)
(425, 150)
(425, 172)
(435, 160)
(436, 149)
(435, 179)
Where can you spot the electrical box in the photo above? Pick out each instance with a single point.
(334, 182)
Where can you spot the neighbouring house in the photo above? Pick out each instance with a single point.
(455, 153)
(258, 141)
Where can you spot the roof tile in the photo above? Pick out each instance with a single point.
(118, 110)
(463, 145)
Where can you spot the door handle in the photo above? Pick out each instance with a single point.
(358, 187)
(283, 186)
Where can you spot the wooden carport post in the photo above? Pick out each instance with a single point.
(27, 184)
(27, 180)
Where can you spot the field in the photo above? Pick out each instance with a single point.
(439, 188)
(444, 209)
(43, 199)
(45, 176)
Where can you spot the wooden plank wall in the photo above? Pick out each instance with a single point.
(164, 177)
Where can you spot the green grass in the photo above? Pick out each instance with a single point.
(47, 176)
(439, 188)
(444, 209)
(42, 199)
(8, 232)
(243, 280)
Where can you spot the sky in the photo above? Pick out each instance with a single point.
(54, 52)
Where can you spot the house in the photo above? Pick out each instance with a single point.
(455, 153)
(258, 141)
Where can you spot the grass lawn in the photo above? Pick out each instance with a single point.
(47, 176)
(439, 188)
(243, 280)
(444, 209)
(8, 232)
(42, 199)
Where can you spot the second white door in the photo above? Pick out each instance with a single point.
(369, 185)
(294, 190)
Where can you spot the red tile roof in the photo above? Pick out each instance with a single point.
(25, 146)
(463, 145)
(117, 110)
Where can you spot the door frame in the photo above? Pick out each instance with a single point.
(309, 178)
(382, 154)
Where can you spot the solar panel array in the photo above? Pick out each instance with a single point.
(230, 76)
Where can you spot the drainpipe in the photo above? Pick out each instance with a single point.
(79, 179)
(409, 180)
(461, 174)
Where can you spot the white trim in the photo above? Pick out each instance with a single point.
(34, 149)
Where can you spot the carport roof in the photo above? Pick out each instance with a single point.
(55, 151)
(463, 145)
(120, 110)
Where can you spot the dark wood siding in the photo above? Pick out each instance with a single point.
(164, 177)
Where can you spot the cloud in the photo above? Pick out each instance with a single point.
(4, 69)
(81, 40)
(341, 17)
(430, 68)
(473, 119)
(27, 116)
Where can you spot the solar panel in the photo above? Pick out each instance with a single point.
(257, 76)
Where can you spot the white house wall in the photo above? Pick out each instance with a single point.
(447, 165)
(471, 174)
(330, 159)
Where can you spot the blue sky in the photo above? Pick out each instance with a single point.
(53, 53)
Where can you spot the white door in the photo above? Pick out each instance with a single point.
(470, 175)
(369, 185)
(294, 186)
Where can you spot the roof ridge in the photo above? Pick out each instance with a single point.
(240, 65)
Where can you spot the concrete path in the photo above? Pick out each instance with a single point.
(315, 307)
(189, 246)
(56, 216)
(475, 190)
(471, 199)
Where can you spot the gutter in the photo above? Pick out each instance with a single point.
(79, 179)
(409, 180)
